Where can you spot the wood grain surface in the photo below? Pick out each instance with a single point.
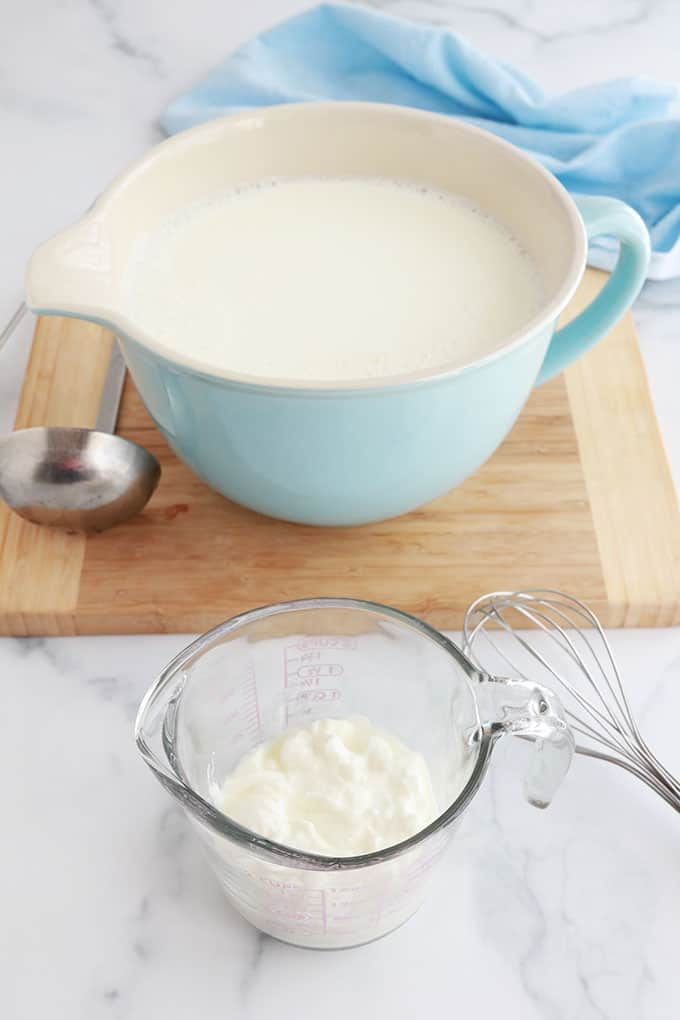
(578, 497)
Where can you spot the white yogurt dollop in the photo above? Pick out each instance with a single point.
(338, 787)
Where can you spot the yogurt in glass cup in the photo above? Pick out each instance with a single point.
(271, 669)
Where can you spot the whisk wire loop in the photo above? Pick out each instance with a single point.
(585, 672)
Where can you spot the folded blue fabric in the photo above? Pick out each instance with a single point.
(616, 138)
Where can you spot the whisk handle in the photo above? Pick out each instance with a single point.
(528, 710)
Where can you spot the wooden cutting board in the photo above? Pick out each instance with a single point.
(579, 497)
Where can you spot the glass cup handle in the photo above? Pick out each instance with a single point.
(528, 710)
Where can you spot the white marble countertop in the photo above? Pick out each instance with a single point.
(107, 907)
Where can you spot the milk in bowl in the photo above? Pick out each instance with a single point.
(335, 312)
(331, 279)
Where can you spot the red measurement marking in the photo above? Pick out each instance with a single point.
(329, 694)
(320, 669)
(281, 886)
(285, 681)
(326, 642)
(303, 657)
(256, 700)
(293, 915)
(297, 684)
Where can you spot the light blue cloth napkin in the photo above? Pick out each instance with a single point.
(616, 138)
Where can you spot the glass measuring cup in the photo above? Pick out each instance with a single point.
(284, 665)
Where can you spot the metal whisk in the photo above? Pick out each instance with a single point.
(567, 641)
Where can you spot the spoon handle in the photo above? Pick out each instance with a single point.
(109, 404)
(12, 324)
(112, 391)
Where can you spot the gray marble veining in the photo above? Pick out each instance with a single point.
(108, 909)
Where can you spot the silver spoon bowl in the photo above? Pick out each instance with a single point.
(77, 479)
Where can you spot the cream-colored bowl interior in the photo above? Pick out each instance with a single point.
(79, 271)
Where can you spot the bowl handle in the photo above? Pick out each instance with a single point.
(525, 709)
(602, 216)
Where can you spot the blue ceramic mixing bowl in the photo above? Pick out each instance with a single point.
(358, 451)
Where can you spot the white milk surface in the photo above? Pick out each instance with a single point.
(331, 279)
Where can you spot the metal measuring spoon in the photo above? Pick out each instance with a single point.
(77, 479)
